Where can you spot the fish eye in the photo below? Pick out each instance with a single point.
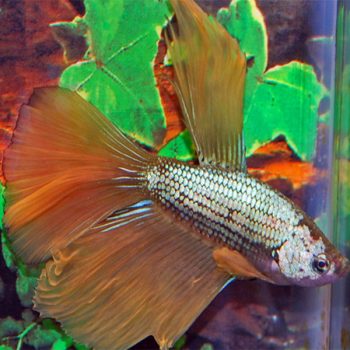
(320, 264)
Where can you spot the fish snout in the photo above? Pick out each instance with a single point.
(342, 266)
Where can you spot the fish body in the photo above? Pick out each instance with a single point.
(135, 244)
(236, 210)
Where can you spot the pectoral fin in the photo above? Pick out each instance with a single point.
(210, 73)
(128, 279)
(236, 264)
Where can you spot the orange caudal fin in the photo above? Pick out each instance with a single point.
(67, 168)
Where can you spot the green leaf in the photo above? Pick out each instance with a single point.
(25, 285)
(286, 103)
(7, 253)
(180, 343)
(62, 341)
(28, 317)
(244, 21)
(27, 276)
(181, 147)
(41, 337)
(119, 79)
(62, 344)
(282, 101)
(67, 343)
(10, 327)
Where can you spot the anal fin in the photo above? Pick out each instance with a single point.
(123, 282)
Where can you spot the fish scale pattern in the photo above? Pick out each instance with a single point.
(228, 207)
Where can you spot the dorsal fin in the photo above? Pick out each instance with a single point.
(210, 72)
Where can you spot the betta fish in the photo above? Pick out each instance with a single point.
(138, 245)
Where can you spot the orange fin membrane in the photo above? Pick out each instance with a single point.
(132, 276)
(210, 74)
(67, 168)
(236, 264)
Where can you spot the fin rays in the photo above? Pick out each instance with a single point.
(210, 72)
(143, 277)
(67, 168)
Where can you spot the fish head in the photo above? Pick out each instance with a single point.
(307, 258)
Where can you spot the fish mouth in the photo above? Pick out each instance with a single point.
(343, 267)
(346, 266)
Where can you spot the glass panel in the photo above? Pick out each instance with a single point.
(340, 312)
